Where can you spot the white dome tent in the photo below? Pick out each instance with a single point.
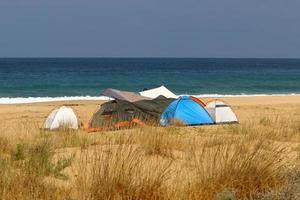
(220, 112)
(61, 117)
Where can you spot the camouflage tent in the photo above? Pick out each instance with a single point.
(120, 113)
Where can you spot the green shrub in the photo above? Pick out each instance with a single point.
(18, 153)
(40, 160)
(225, 196)
(265, 121)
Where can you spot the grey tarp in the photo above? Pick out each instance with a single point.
(123, 95)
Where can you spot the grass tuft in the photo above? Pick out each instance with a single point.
(242, 165)
(157, 142)
(123, 172)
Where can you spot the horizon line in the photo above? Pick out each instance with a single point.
(140, 57)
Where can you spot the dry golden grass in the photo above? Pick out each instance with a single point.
(203, 169)
(124, 172)
(23, 172)
(146, 163)
(255, 159)
(244, 166)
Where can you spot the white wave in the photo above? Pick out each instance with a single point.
(242, 95)
(21, 100)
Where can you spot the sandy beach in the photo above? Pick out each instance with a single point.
(267, 124)
(246, 108)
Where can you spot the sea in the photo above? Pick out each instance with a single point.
(24, 80)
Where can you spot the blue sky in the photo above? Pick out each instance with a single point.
(150, 28)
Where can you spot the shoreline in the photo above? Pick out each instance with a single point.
(30, 100)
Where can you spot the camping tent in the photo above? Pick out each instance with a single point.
(186, 109)
(220, 112)
(123, 95)
(155, 92)
(119, 113)
(61, 117)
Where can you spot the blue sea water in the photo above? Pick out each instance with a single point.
(54, 77)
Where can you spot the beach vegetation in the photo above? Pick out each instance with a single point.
(265, 121)
(254, 159)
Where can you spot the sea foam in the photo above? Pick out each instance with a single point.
(20, 100)
(243, 95)
(23, 100)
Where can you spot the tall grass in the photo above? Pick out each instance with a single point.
(246, 166)
(22, 173)
(63, 138)
(124, 173)
(240, 161)
(156, 141)
(5, 145)
(243, 166)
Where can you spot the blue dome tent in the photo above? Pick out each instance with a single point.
(188, 110)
